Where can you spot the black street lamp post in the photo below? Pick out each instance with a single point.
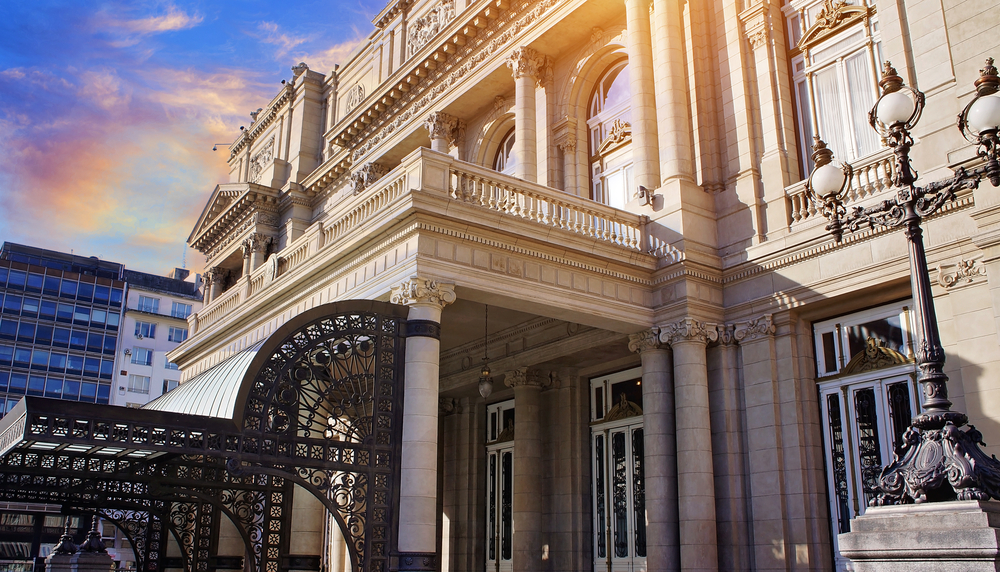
(938, 460)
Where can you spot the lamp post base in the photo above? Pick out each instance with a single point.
(960, 536)
(940, 461)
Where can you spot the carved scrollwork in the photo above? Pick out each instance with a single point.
(416, 290)
(689, 330)
(964, 271)
(644, 340)
(753, 329)
(441, 125)
(526, 62)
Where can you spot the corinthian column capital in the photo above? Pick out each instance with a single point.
(644, 341)
(689, 330)
(423, 291)
(524, 376)
(441, 125)
(753, 329)
(525, 62)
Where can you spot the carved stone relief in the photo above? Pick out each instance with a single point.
(261, 160)
(423, 29)
(366, 176)
(965, 271)
(354, 96)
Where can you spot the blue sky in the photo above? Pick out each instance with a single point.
(109, 110)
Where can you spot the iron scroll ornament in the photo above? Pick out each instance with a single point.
(324, 410)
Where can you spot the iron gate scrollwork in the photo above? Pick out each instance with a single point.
(329, 396)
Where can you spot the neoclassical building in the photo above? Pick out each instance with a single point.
(604, 202)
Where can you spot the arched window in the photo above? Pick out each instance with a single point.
(610, 135)
(505, 161)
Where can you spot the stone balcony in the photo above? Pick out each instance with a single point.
(433, 186)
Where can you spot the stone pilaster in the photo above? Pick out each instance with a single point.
(688, 339)
(660, 463)
(528, 544)
(442, 128)
(526, 65)
(645, 147)
(426, 298)
(215, 278)
(568, 149)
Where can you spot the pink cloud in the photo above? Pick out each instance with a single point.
(174, 19)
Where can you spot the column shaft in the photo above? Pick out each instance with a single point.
(527, 542)
(417, 533)
(645, 153)
(660, 463)
(676, 157)
(525, 147)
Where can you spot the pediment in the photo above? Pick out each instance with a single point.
(619, 135)
(230, 209)
(834, 17)
(874, 356)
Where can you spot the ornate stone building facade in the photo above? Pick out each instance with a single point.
(688, 373)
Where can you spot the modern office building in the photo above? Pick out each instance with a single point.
(604, 203)
(155, 322)
(60, 325)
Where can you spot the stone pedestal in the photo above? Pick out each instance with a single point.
(960, 536)
(79, 562)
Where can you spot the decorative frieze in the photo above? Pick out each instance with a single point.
(260, 160)
(366, 176)
(753, 329)
(689, 330)
(965, 271)
(416, 290)
(423, 29)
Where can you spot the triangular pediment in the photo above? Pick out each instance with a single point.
(835, 16)
(229, 204)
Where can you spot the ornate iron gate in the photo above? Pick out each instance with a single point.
(320, 406)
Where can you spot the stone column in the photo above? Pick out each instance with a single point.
(645, 147)
(660, 463)
(676, 157)
(254, 248)
(726, 403)
(215, 277)
(426, 298)
(525, 64)
(695, 473)
(441, 127)
(527, 543)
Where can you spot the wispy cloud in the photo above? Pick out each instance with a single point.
(270, 33)
(174, 19)
(324, 60)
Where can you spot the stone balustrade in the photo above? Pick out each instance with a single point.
(444, 178)
(872, 175)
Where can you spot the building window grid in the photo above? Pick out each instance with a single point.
(145, 330)
(180, 310)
